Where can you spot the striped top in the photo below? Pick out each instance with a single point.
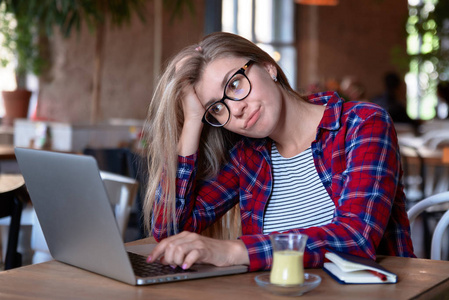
(298, 199)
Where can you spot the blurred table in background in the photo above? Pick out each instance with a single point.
(6, 135)
(7, 152)
(446, 155)
(75, 137)
(13, 197)
(425, 164)
(425, 161)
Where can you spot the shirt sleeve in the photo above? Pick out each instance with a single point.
(199, 204)
(364, 193)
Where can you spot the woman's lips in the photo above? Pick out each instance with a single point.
(252, 119)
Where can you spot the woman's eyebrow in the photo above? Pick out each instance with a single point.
(227, 77)
(223, 83)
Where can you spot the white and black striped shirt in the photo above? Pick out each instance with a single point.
(298, 198)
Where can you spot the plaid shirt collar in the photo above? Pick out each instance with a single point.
(330, 121)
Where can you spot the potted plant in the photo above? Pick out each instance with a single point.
(22, 23)
(17, 36)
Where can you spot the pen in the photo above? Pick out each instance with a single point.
(382, 277)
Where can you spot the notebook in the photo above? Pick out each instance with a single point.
(78, 223)
(347, 268)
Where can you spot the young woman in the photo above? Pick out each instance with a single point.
(226, 131)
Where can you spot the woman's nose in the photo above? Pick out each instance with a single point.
(237, 108)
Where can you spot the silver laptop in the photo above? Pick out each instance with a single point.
(79, 226)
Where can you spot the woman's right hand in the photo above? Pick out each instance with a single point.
(191, 131)
(186, 248)
(191, 105)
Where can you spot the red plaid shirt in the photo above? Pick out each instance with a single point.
(357, 158)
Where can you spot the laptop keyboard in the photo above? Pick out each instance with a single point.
(144, 269)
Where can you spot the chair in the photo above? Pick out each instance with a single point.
(114, 160)
(414, 178)
(424, 154)
(13, 196)
(122, 191)
(124, 161)
(434, 203)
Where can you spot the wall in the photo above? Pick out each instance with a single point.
(127, 85)
(355, 38)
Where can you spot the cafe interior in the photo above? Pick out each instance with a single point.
(88, 82)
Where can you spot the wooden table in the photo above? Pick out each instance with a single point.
(7, 152)
(13, 196)
(9, 182)
(418, 279)
(445, 157)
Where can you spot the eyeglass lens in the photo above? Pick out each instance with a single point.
(237, 88)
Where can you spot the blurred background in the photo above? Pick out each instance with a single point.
(99, 60)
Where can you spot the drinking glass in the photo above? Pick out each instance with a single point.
(288, 258)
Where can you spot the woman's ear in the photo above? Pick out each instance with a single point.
(271, 69)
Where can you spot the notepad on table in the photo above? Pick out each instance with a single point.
(347, 268)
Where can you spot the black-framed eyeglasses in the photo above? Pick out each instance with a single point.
(237, 88)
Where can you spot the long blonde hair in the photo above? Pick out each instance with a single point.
(165, 120)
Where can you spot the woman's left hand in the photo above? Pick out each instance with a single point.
(187, 248)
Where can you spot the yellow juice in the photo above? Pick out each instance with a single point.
(288, 267)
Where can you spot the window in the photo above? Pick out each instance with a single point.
(269, 24)
(423, 46)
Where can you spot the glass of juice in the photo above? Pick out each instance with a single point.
(288, 258)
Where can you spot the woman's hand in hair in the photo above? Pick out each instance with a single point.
(187, 248)
(191, 105)
(191, 131)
